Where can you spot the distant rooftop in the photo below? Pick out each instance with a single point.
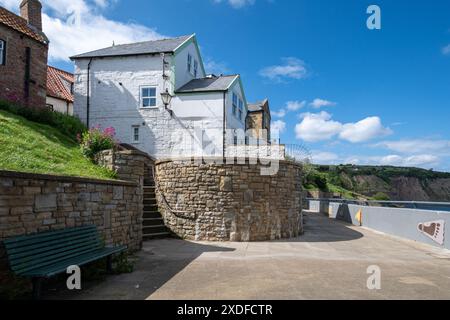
(59, 84)
(257, 106)
(208, 84)
(139, 48)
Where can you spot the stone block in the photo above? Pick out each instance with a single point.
(45, 202)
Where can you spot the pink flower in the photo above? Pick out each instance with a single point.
(111, 132)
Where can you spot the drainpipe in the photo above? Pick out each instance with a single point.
(88, 100)
(224, 123)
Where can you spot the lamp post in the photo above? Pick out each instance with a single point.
(166, 99)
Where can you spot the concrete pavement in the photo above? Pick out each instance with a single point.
(329, 262)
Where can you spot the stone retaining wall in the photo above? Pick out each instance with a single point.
(229, 202)
(31, 203)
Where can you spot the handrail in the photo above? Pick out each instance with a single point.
(381, 201)
(177, 213)
(424, 205)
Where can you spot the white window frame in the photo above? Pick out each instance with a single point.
(235, 104)
(2, 52)
(141, 94)
(189, 63)
(241, 109)
(195, 68)
(133, 134)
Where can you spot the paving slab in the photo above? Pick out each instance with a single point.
(329, 261)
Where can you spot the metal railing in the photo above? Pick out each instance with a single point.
(424, 205)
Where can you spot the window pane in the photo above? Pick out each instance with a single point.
(152, 92)
(145, 92)
(152, 102)
(146, 102)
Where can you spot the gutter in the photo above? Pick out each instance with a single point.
(224, 123)
(88, 98)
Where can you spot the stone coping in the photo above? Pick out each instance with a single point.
(36, 176)
(222, 161)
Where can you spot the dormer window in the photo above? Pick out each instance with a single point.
(235, 104)
(2, 52)
(195, 68)
(241, 109)
(189, 63)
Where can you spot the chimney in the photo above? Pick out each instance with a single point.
(31, 10)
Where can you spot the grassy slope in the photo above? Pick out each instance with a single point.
(32, 147)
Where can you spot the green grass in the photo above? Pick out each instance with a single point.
(27, 146)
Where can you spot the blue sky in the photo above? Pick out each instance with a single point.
(349, 94)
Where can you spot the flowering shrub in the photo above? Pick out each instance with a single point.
(96, 140)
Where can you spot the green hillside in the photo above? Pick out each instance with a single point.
(28, 146)
(379, 182)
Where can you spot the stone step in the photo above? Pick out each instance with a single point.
(154, 236)
(153, 222)
(150, 202)
(154, 229)
(150, 207)
(152, 215)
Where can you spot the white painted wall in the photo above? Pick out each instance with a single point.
(182, 75)
(60, 105)
(115, 101)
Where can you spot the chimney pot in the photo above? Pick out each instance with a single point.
(31, 10)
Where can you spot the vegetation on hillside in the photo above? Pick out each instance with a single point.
(51, 148)
(342, 179)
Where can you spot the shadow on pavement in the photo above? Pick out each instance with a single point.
(320, 228)
(156, 266)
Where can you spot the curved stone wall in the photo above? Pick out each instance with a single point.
(221, 202)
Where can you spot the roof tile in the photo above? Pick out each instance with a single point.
(59, 84)
(21, 25)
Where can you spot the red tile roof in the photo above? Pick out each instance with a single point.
(20, 24)
(59, 84)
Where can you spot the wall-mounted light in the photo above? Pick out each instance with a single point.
(166, 99)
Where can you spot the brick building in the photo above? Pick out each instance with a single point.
(23, 55)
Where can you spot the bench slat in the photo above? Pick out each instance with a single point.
(23, 268)
(40, 247)
(53, 254)
(49, 253)
(49, 236)
(61, 267)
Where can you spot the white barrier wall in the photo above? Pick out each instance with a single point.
(424, 226)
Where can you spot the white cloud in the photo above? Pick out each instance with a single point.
(237, 4)
(278, 126)
(215, 67)
(292, 68)
(279, 114)
(416, 146)
(12, 5)
(77, 26)
(320, 126)
(423, 160)
(323, 157)
(364, 130)
(319, 103)
(295, 105)
(317, 127)
(446, 50)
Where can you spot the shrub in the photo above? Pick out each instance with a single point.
(66, 124)
(381, 196)
(96, 140)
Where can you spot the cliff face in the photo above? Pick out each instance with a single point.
(404, 188)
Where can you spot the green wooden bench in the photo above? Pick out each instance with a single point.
(44, 255)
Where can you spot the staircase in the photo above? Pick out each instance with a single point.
(153, 224)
